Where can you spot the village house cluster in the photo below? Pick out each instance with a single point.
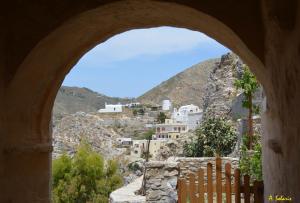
(182, 120)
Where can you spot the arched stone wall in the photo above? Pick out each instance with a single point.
(33, 73)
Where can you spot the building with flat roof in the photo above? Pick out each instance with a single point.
(111, 108)
(139, 147)
(166, 105)
(169, 130)
(188, 114)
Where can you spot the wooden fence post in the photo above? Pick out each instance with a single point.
(219, 179)
(209, 183)
(192, 188)
(237, 185)
(200, 198)
(179, 189)
(183, 191)
(247, 188)
(228, 182)
(258, 190)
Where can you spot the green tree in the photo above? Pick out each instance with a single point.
(161, 117)
(250, 161)
(215, 136)
(249, 85)
(84, 178)
(148, 137)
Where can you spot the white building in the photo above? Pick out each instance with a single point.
(189, 114)
(169, 130)
(111, 108)
(166, 105)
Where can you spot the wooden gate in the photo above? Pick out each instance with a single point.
(196, 189)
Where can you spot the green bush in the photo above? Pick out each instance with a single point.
(134, 166)
(251, 160)
(194, 148)
(215, 136)
(161, 117)
(84, 178)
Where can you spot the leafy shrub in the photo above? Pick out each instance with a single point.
(84, 178)
(193, 148)
(138, 111)
(134, 166)
(215, 136)
(161, 117)
(251, 160)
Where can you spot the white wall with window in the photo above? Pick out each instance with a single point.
(188, 114)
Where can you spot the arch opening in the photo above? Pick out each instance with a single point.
(179, 128)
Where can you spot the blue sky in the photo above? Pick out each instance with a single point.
(133, 62)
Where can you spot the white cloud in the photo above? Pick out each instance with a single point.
(153, 41)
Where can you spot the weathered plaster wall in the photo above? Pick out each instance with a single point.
(281, 120)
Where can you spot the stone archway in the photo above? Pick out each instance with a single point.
(25, 172)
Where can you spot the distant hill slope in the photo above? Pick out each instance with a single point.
(73, 99)
(186, 87)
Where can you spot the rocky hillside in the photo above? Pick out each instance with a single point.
(221, 98)
(100, 130)
(74, 128)
(184, 88)
(73, 99)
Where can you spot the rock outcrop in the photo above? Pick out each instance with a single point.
(220, 90)
(221, 98)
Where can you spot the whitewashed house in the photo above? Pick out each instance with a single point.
(188, 114)
(166, 105)
(111, 108)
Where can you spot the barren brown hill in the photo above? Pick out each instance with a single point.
(73, 99)
(186, 87)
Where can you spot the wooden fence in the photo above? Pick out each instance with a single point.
(196, 189)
